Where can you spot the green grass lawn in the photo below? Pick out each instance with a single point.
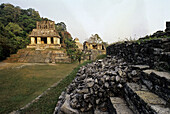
(19, 86)
(46, 104)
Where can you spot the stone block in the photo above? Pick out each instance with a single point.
(120, 105)
(144, 100)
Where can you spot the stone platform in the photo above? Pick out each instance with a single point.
(39, 56)
(44, 46)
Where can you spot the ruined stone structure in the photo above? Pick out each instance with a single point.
(133, 79)
(92, 45)
(93, 49)
(80, 46)
(167, 30)
(45, 46)
(39, 56)
(44, 36)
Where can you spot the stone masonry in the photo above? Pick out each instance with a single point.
(133, 79)
(39, 56)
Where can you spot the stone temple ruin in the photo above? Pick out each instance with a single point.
(88, 45)
(134, 78)
(44, 36)
(93, 49)
(79, 45)
(44, 48)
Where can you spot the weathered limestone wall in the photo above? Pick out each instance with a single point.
(155, 53)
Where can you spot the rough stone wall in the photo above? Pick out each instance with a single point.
(167, 27)
(92, 54)
(121, 75)
(155, 53)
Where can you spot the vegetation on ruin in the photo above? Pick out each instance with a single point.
(101, 56)
(97, 39)
(156, 35)
(21, 84)
(15, 26)
(150, 38)
(67, 41)
(46, 104)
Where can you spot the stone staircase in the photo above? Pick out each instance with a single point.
(147, 92)
(120, 106)
(151, 95)
(39, 56)
(141, 87)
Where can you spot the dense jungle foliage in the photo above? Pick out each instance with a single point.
(15, 26)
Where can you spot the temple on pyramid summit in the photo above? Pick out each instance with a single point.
(44, 36)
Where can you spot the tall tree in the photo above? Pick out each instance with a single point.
(95, 39)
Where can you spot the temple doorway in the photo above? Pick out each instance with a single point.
(94, 46)
(52, 41)
(35, 40)
(103, 47)
(44, 40)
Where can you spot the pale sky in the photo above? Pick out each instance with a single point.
(113, 20)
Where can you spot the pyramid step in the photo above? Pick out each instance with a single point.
(37, 56)
(62, 60)
(120, 106)
(66, 57)
(58, 51)
(141, 100)
(158, 82)
(14, 56)
(59, 54)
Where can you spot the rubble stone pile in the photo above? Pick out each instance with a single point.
(133, 75)
(94, 84)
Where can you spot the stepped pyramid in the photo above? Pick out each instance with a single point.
(39, 56)
(44, 48)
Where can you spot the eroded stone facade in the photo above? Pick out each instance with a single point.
(90, 46)
(44, 36)
(80, 46)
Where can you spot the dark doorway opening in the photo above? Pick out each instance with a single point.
(103, 47)
(35, 40)
(52, 42)
(44, 40)
(94, 46)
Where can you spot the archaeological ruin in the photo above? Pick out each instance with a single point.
(134, 78)
(93, 48)
(80, 46)
(45, 46)
(92, 45)
(44, 36)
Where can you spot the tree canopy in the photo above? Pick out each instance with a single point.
(15, 25)
(95, 39)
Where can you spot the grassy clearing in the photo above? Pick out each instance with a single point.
(18, 86)
(46, 104)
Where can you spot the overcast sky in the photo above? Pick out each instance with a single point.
(113, 20)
